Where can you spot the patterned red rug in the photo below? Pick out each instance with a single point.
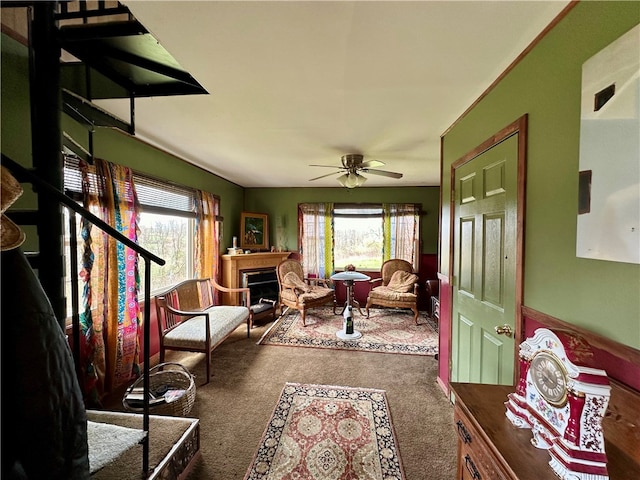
(328, 433)
(386, 330)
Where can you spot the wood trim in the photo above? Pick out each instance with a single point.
(169, 153)
(16, 17)
(444, 387)
(622, 351)
(523, 125)
(500, 136)
(517, 60)
(18, 37)
(441, 204)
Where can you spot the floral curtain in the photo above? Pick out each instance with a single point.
(111, 315)
(401, 233)
(207, 246)
(316, 238)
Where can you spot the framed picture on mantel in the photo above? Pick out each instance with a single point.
(254, 229)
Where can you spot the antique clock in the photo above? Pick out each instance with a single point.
(550, 378)
(562, 397)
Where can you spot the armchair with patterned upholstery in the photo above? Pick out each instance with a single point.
(301, 293)
(399, 288)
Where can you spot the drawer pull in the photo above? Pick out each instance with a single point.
(464, 435)
(472, 468)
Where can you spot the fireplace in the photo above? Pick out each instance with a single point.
(263, 290)
(262, 284)
(233, 266)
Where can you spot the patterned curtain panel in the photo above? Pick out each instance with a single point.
(111, 314)
(207, 246)
(401, 232)
(316, 238)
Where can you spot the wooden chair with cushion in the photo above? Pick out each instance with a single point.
(301, 293)
(399, 288)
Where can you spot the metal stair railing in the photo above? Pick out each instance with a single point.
(24, 175)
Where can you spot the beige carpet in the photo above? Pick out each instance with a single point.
(385, 331)
(247, 380)
(326, 432)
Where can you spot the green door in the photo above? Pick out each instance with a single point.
(484, 284)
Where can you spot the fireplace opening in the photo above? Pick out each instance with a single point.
(263, 290)
(262, 284)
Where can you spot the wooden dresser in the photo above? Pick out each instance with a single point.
(491, 448)
(234, 265)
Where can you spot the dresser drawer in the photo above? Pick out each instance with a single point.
(475, 461)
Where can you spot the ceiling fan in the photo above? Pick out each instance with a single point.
(353, 164)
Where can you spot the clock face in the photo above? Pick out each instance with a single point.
(549, 377)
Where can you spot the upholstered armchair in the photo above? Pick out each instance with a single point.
(301, 293)
(398, 289)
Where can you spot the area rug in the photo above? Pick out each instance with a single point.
(324, 432)
(386, 330)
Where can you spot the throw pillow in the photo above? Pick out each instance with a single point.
(293, 279)
(402, 281)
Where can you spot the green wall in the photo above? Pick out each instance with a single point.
(117, 147)
(600, 296)
(281, 204)
(15, 114)
(15, 133)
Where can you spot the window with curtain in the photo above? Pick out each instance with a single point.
(332, 236)
(178, 224)
(315, 238)
(168, 224)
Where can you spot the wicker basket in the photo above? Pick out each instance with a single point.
(165, 376)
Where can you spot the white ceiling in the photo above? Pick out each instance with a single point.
(295, 83)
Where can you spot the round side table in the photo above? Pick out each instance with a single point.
(349, 278)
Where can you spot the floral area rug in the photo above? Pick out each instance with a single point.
(386, 330)
(323, 432)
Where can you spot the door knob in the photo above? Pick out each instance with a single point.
(504, 330)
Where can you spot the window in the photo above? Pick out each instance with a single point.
(358, 237)
(171, 238)
(365, 235)
(166, 226)
(166, 223)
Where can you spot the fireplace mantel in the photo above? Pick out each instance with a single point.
(234, 265)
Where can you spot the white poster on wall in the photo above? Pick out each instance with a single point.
(609, 178)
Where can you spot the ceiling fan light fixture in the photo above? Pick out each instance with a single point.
(351, 180)
(342, 180)
(352, 164)
(360, 179)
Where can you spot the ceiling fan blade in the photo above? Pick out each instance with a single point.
(327, 175)
(330, 166)
(383, 173)
(371, 164)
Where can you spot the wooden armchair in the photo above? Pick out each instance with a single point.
(301, 293)
(399, 287)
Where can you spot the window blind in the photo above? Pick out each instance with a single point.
(153, 194)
